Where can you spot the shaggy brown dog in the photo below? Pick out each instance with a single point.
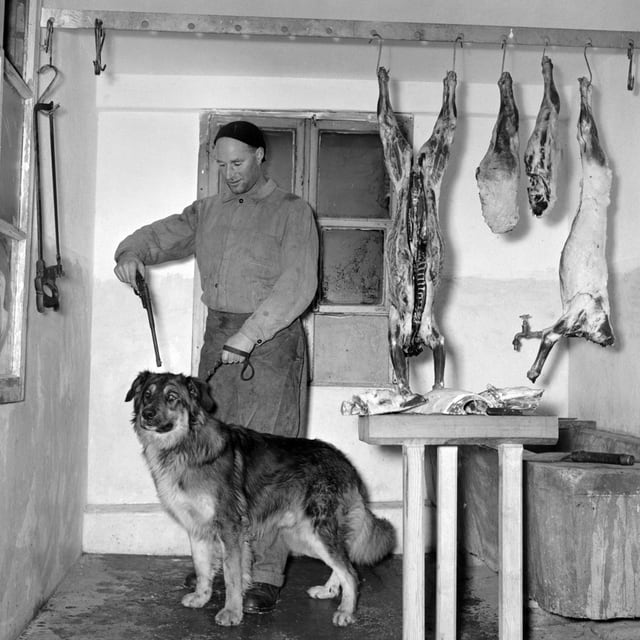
(227, 484)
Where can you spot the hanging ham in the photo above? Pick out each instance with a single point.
(583, 266)
(414, 248)
(542, 152)
(499, 171)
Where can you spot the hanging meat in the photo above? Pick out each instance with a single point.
(398, 157)
(414, 250)
(499, 170)
(541, 154)
(425, 236)
(583, 266)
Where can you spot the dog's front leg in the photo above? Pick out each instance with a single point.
(232, 563)
(203, 553)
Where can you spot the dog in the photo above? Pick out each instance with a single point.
(227, 485)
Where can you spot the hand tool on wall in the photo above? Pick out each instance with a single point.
(47, 294)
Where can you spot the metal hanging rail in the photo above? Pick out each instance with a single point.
(338, 29)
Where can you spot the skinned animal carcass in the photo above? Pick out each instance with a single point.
(414, 248)
(499, 171)
(425, 237)
(398, 158)
(583, 266)
(541, 156)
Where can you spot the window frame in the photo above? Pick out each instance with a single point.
(308, 125)
(349, 123)
(12, 382)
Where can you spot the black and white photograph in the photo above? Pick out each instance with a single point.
(318, 320)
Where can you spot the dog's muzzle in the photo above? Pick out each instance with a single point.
(149, 422)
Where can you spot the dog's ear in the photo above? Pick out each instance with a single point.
(138, 383)
(200, 392)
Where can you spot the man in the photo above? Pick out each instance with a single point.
(256, 247)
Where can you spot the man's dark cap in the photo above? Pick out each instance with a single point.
(243, 131)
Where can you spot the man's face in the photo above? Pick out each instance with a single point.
(239, 164)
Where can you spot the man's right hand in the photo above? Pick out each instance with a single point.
(126, 268)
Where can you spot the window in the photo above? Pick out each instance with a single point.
(15, 32)
(16, 103)
(335, 162)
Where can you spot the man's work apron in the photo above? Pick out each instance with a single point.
(274, 400)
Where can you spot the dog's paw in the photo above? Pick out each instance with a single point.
(196, 600)
(322, 592)
(228, 617)
(343, 618)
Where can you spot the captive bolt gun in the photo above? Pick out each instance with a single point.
(145, 298)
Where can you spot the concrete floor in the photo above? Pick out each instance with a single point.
(115, 597)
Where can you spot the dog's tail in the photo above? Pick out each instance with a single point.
(370, 538)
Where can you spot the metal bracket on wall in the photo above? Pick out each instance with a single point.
(337, 29)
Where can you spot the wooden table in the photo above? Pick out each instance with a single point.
(447, 432)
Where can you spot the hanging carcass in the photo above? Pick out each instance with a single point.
(583, 266)
(398, 157)
(426, 238)
(499, 171)
(414, 247)
(541, 155)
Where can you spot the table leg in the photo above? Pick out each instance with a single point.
(414, 539)
(510, 605)
(447, 543)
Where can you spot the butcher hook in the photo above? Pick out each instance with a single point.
(630, 77)
(48, 48)
(99, 38)
(587, 61)
(504, 53)
(544, 50)
(48, 41)
(375, 34)
(459, 39)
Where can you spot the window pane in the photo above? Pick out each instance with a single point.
(15, 21)
(6, 307)
(352, 182)
(279, 159)
(352, 266)
(11, 154)
(351, 350)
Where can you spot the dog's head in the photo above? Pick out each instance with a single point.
(166, 402)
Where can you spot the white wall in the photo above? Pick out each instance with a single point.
(146, 117)
(147, 149)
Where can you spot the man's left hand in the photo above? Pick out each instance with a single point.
(237, 341)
